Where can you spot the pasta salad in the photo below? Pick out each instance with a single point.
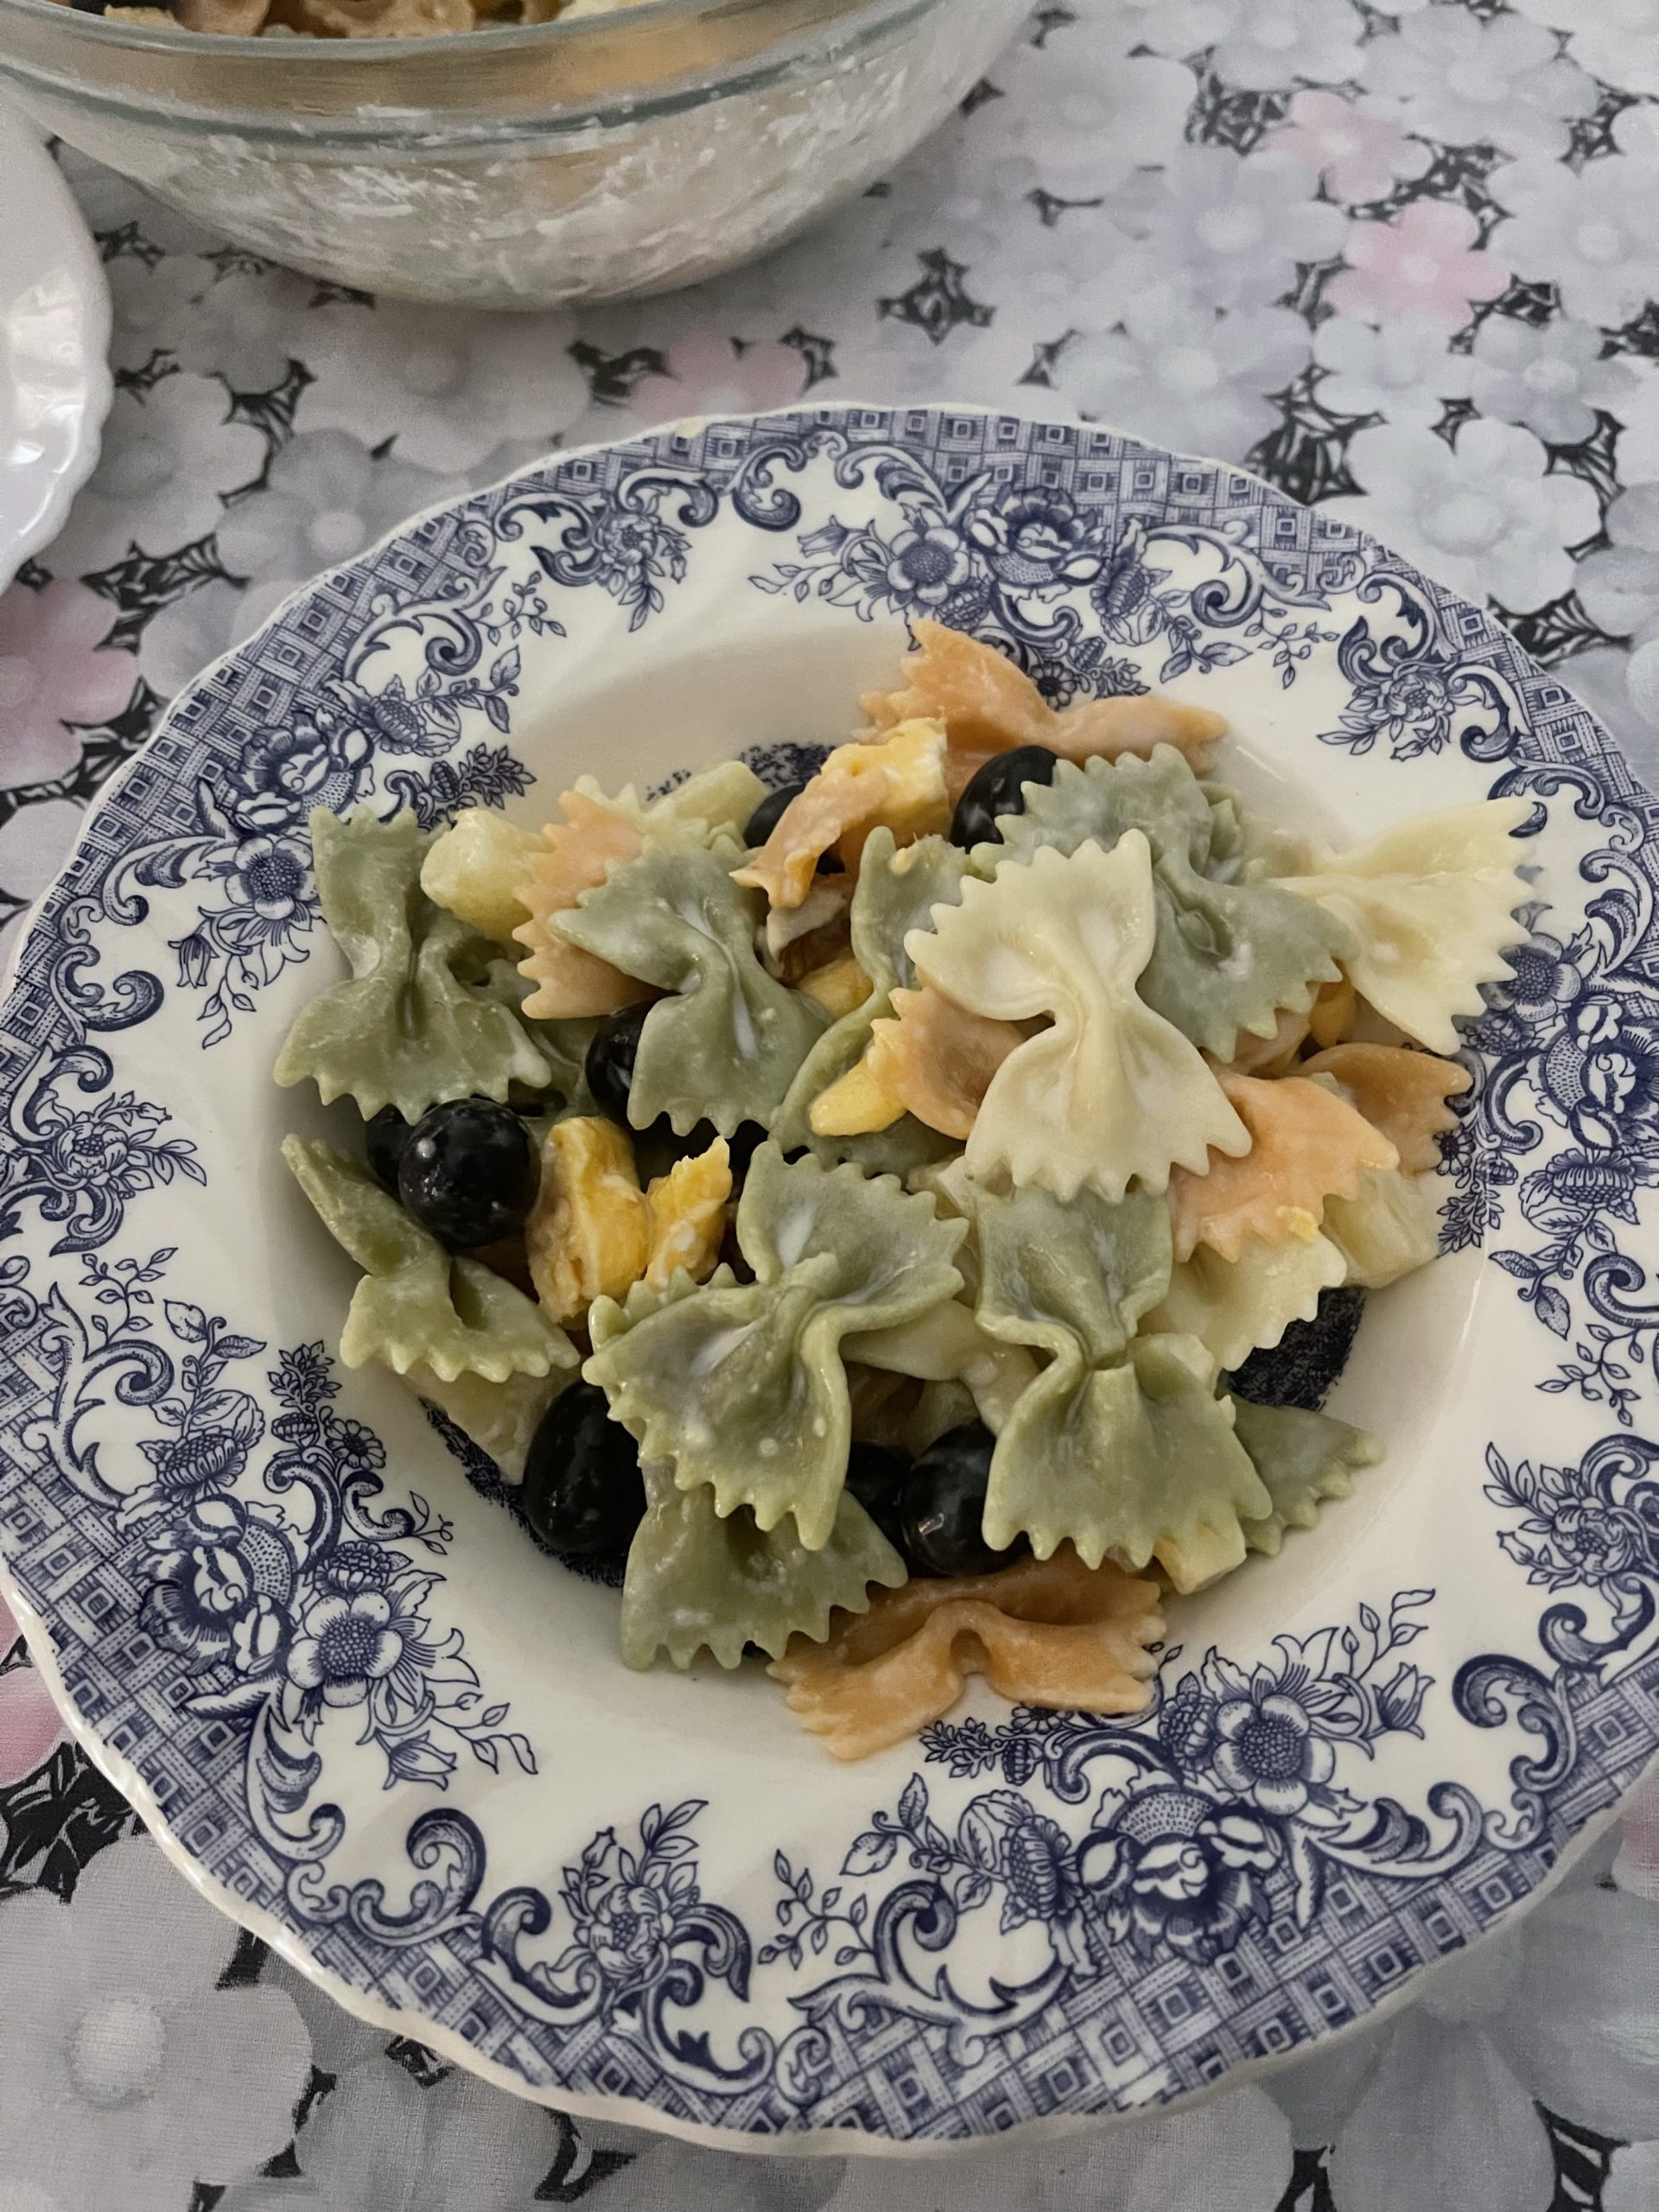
(859, 1217)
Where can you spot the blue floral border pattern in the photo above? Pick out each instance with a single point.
(1207, 1887)
(281, 1586)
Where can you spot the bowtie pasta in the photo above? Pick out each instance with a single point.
(861, 1220)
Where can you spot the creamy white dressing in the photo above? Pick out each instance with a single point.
(793, 1231)
(719, 1348)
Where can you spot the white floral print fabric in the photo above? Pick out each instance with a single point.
(1397, 256)
(381, 2142)
(121, 2060)
(454, 384)
(1482, 515)
(1087, 122)
(1360, 149)
(1464, 81)
(1235, 226)
(1584, 231)
(1552, 377)
(1195, 378)
(1403, 370)
(1270, 44)
(1615, 39)
(172, 456)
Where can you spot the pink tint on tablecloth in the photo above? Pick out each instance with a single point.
(1359, 156)
(30, 1725)
(53, 671)
(1425, 263)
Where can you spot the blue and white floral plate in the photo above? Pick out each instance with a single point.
(377, 1725)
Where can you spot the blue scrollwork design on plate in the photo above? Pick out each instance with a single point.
(1593, 1526)
(292, 1656)
(247, 841)
(1003, 561)
(1569, 1071)
(1411, 689)
(645, 1945)
(336, 748)
(256, 1548)
(81, 1165)
(1215, 1816)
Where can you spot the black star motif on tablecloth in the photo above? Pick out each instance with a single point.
(130, 240)
(1306, 455)
(1533, 303)
(327, 294)
(1454, 173)
(422, 2065)
(160, 363)
(818, 353)
(140, 584)
(612, 376)
(271, 413)
(1048, 19)
(937, 301)
(577, 2166)
(103, 746)
(56, 1820)
(1639, 335)
(237, 261)
(1044, 359)
(1221, 116)
(1554, 633)
(1592, 134)
(1049, 207)
(976, 97)
(1596, 459)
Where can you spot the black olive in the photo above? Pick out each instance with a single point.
(1302, 1368)
(583, 1492)
(766, 817)
(609, 1068)
(386, 1137)
(875, 1478)
(943, 1504)
(609, 1065)
(744, 1142)
(468, 1172)
(999, 788)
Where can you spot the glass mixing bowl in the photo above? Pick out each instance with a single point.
(515, 167)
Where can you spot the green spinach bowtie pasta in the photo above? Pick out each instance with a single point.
(843, 1213)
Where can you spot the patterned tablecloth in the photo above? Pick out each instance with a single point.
(1398, 257)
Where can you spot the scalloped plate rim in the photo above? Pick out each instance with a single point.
(628, 2111)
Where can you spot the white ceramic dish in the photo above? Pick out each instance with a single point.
(653, 1896)
(54, 338)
